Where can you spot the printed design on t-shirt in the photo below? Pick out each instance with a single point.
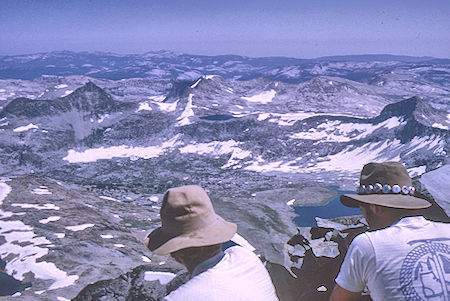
(425, 272)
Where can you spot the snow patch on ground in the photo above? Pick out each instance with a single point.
(122, 151)
(188, 112)
(79, 227)
(217, 149)
(25, 128)
(23, 248)
(62, 86)
(338, 131)
(47, 206)
(352, 158)
(146, 259)
(417, 171)
(109, 198)
(157, 98)
(50, 219)
(264, 97)
(144, 106)
(440, 126)
(41, 191)
(102, 118)
(162, 277)
(167, 107)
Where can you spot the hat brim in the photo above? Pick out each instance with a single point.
(387, 200)
(162, 243)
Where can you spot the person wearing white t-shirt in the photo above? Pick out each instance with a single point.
(404, 256)
(194, 235)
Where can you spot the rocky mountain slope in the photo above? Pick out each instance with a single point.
(91, 132)
(85, 159)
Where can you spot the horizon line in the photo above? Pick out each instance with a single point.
(229, 54)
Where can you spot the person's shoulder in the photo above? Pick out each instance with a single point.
(191, 290)
(363, 241)
(241, 252)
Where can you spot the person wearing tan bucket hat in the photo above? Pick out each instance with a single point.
(193, 234)
(404, 256)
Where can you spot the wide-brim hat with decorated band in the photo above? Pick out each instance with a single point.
(386, 184)
(188, 220)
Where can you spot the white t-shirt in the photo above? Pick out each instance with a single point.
(409, 260)
(239, 275)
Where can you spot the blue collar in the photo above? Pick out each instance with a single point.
(207, 264)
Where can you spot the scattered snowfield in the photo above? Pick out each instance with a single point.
(287, 167)
(196, 83)
(343, 132)
(25, 128)
(263, 116)
(440, 126)
(119, 245)
(50, 219)
(146, 259)
(352, 158)
(79, 227)
(157, 98)
(102, 118)
(62, 86)
(218, 148)
(162, 277)
(109, 198)
(23, 248)
(144, 106)
(60, 235)
(41, 191)
(67, 92)
(264, 97)
(429, 143)
(122, 151)
(106, 236)
(62, 299)
(188, 112)
(288, 119)
(210, 76)
(291, 202)
(167, 107)
(154, 198)
(417, 171)
(47, 206)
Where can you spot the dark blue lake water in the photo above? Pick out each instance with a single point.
(334, 208)
(9, 285)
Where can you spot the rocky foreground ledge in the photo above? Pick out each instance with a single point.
(313, 258)
(70, 244)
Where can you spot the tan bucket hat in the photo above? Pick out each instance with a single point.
(386, 184)
(188, 220)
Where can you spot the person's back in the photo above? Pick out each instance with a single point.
(405, 256)
(195, 236)
(239, 275)
(406, 261)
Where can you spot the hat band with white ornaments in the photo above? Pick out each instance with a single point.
(385, 189)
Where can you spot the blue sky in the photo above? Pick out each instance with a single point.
(294, 28)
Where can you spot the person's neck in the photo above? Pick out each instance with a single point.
(193, 266)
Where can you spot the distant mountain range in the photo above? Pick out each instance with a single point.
(170, 65)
